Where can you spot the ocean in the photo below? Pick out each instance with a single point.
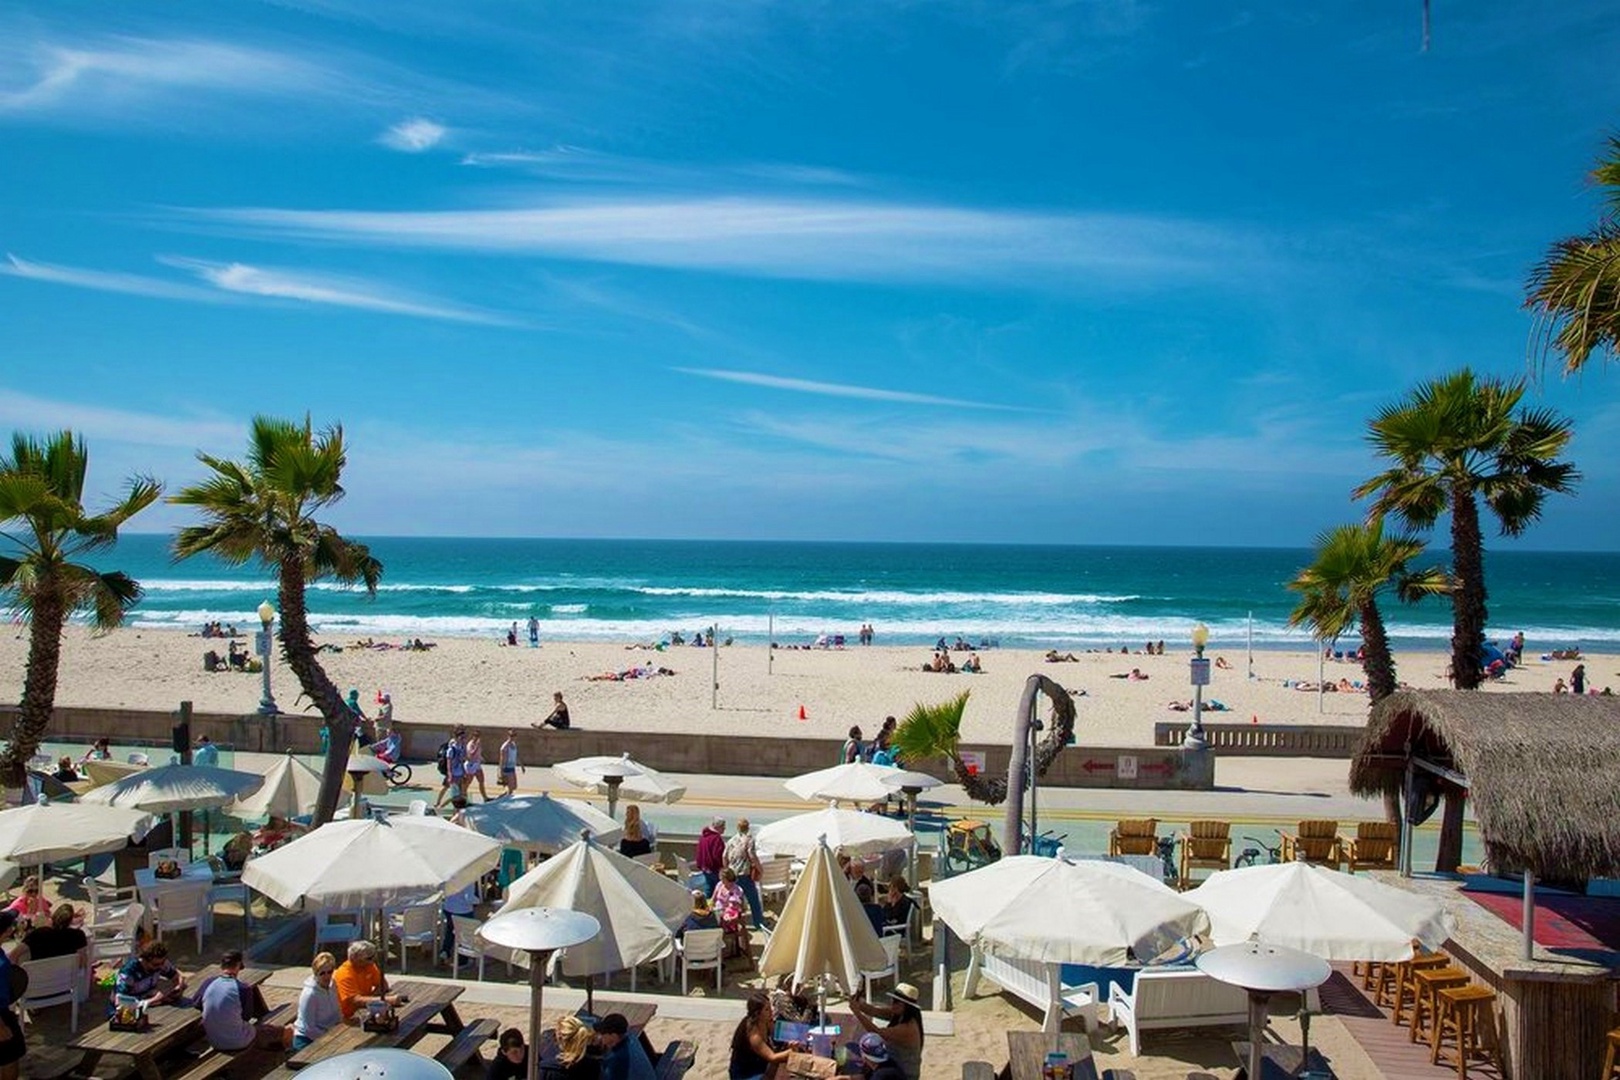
(1015, 596)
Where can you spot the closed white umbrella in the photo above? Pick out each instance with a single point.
(541, 823)
(169, 789)
(1025, 907)
(60, 832)
(1329, 914)
(290, 789)
(851, 832)
(856, 781)
(823, 930)
(638, 907)
(395, 862)
(622, 777)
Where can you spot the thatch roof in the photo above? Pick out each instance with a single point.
(1543, 770)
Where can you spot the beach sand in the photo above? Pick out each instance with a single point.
(476, 681)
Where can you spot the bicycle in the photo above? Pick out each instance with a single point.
(1250, 856)
(1167, 855)
(1047, 844)
(398, 774)
(969, 844)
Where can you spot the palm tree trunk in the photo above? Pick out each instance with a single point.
(299, 652)
(1468, 613)
(1379, 663)
(39, 685)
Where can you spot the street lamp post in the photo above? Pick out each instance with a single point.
(267, 618)
(1196, 739)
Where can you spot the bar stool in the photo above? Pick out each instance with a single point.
(1369, 970)
(1466, 1016)
(1404, 983)
(1424, 1004)
(1610, 1062)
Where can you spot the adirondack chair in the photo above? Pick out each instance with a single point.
(1372, 848)
(1138, 836)
(1206, 845)
(1316, 842)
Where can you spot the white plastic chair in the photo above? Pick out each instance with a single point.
(138, 758)
(414, 925)
(107, 904)
(468, 945)
(417, 808)
(701, 950)
(890, 969)
(686, 874)
(775, 879)
(116, 941)
(337, 926)
(181, 909)
(179, 855)
(59, 980)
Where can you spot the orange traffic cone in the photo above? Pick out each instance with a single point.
(802, 714)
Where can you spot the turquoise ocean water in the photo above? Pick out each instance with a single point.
(1025, 596)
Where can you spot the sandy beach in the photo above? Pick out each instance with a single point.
(476, 681)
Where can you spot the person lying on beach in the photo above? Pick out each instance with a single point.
(1054, 657)
(1134, 675)
(1220, 662)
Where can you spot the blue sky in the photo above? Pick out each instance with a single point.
(1092, 271)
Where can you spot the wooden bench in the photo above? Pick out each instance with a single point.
(464, 1046)
(978, 1070)
(1180, 998)
(677, 1057)
(1038, 983)
(214, 1062)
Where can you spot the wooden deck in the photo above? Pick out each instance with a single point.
(1388, 1046)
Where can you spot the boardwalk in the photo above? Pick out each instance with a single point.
(1388, 1046)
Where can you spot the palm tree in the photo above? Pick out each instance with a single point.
(262, 509)
(1354, 564)
(1575, 290)
(47, 527)
(1451, 442)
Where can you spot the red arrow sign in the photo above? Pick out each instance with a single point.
(1097, 766)
(1157, 767)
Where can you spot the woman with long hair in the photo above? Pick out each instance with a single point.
(903, 1032)
(564, 1056)
(638, 835)
(752, 1055)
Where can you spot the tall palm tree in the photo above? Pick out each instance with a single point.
(262, 508)
(1354, 565)
(1451, 442)
(47, 528)
(1575, 289)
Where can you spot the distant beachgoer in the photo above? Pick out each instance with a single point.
(65, 771)
(454, 753)
(1220, 662)
(1577, 679)
(851, 750)
(206, 753)
(385, 711)
(473, 768)
(509, 763)
(1560, 688)
(559, 714)
(534, 632)
(101, 751)
(511, 635)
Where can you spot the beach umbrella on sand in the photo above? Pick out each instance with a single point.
(290, 790)
(638, 908)
(618, 777)
(169, 789)
(61, 832)
(823, 931)
(855, 781)
(1329, 914)
(851, 832)
(541, 823)
(369, 863)
(1028, 907)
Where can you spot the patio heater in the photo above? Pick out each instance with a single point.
(267, 618)
(1264, 970)
(613, 774)
(540, 932)
(1199, 670)
(378, 1065)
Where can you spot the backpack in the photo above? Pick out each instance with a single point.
(443, 759)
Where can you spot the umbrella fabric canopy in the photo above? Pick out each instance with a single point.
(1026, 907)
(107, 772)
(823, 929)
(1329, 914)
(59, 832)
(290, 790)
(849, 831)
(541, 823)
(638, 907)
(640, 783)
(171, 788)
(856, 781)
(369, 863)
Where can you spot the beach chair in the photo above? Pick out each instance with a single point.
(891, 964)
(115, 941)
(701, 950)
(1136, 836)
(417, 924)
(1316, 842)
(1206, 845)
(1372, 848)
(775, 879)
(59, 980)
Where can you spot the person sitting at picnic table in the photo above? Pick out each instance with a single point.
(12, 1046)
(59, 937)
(360, 982)
(318, 1009)
(729, 904)
(701, 917)
(623, 1058)
(149, 977)
(31, 905)
(854, 870)
(273, 833)
(753, 1057)
(876, 1062)
(65, 771)
(639, 836)
(874, 913)
(233, 1012)
(511, 1061)
(236, 851)
(902, 1032)
(99, 751)
(897, 902)
(565, 1053)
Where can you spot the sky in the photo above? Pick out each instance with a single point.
(1072, 271)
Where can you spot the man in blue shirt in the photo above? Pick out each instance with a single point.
(233, 1012)
(206, 753)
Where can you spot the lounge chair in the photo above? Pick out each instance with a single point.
(1206, 845)
(1137, 836)
(1316, 842)
(1372, 848)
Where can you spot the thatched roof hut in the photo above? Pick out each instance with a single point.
(1543, 770)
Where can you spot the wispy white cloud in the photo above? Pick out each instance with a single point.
(843, 390)
(578, 164)
(106, 281)
(414, 136)
(802, 238)
(97, 423)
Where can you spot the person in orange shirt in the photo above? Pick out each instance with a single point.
(360, 981)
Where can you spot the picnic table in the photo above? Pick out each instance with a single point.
(1027, 1050)
(417, 1017)
(638, 1014)
(1282, 1060)
(172, 1028)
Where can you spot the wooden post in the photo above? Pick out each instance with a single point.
(1449, 857)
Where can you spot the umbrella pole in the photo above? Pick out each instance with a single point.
(538, 959)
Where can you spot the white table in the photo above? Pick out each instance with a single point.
(194, 877)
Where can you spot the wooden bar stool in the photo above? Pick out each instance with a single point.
(1466, 1017)
(1611, 1060)
(1424, 1001)
(1404, 985)
(1368, 970)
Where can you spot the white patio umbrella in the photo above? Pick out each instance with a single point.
(855, 781)
(106, 772)
(1329, 914)
(849, 831)
(638, 907)
(168, 789)
(823, 930)
(541, 823)
(635, 780)
(369, 863)
(290, 790)
(60, 832)
(1027, 907)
